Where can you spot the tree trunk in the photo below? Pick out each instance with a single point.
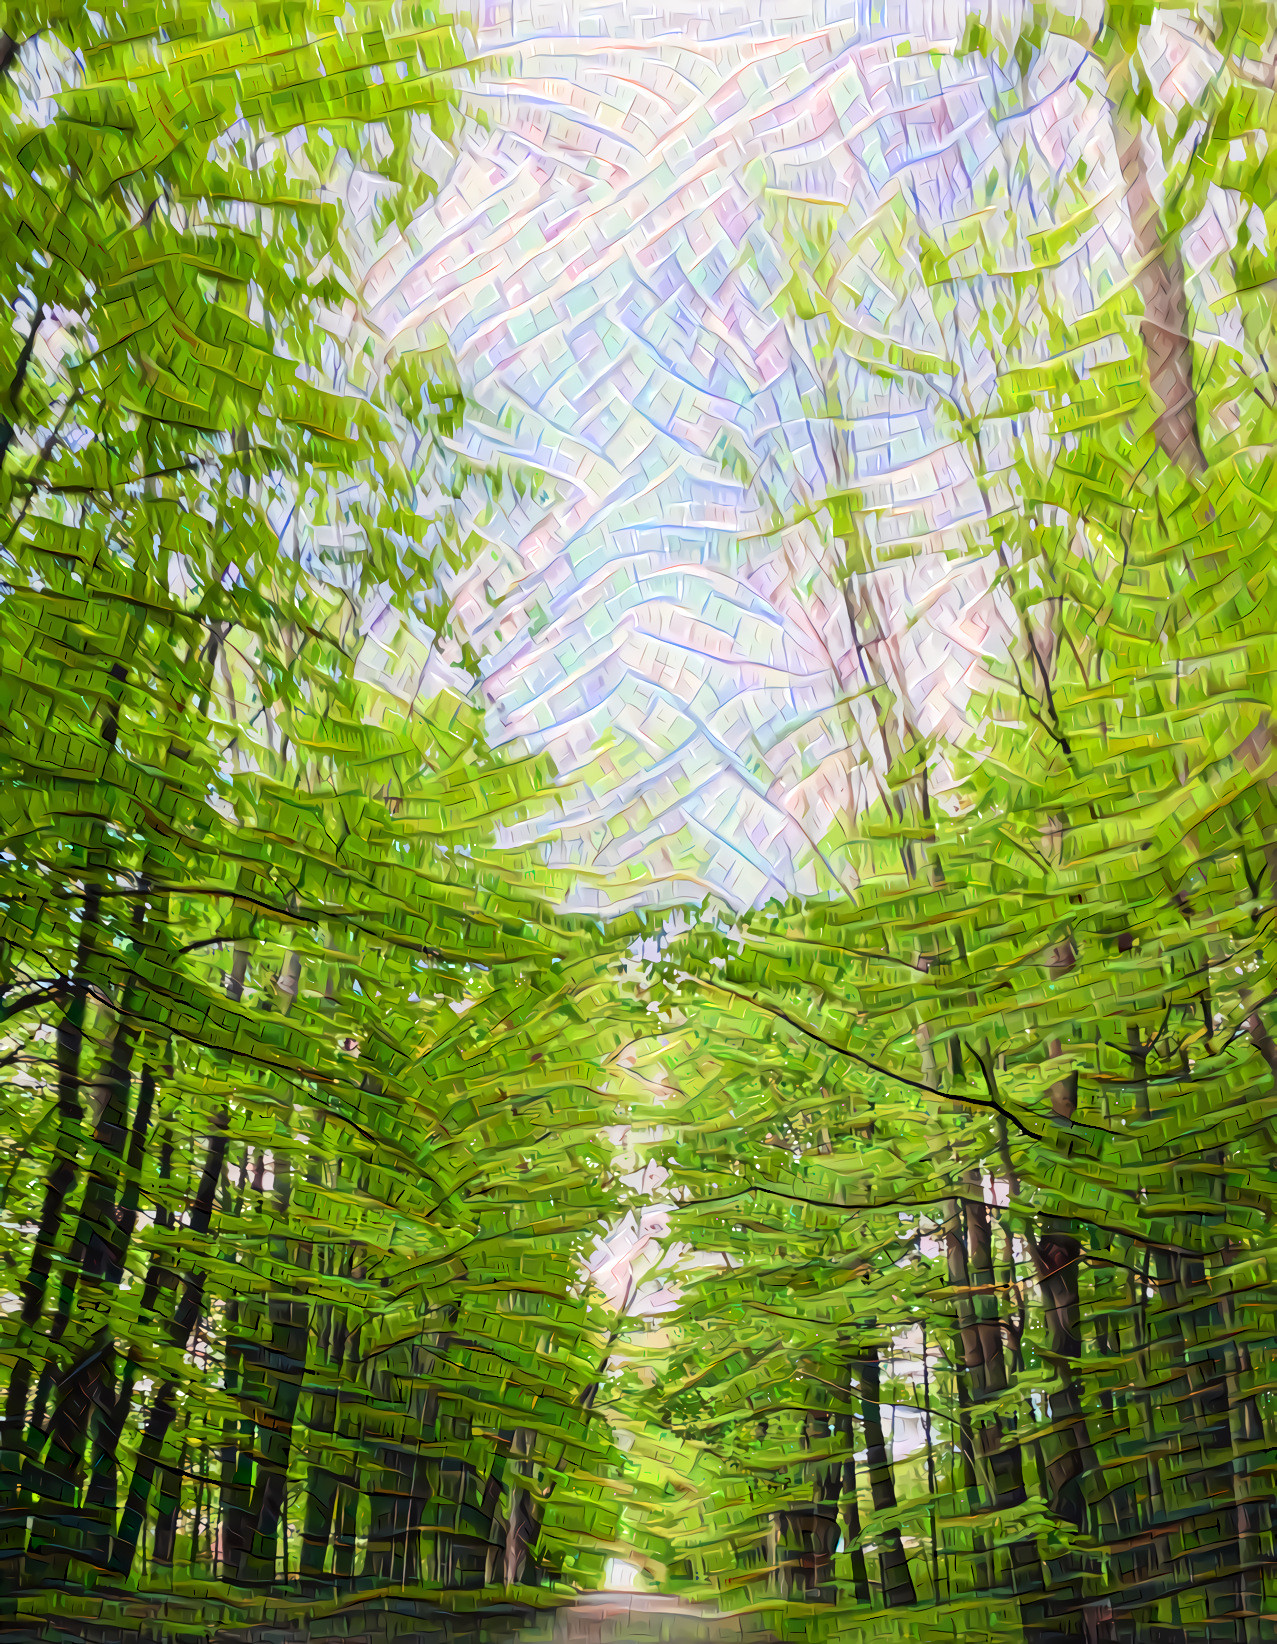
(1160, 281)
(519, 1524)
(169, 1504)
(289, 1321)
(1057, 1258)
(14, 1450)
(323, 1484)
(849, 1511)
(86, 1395)
(897, 1583)
(164, 1406)
(820, 1533)
(1253, 1500)
(389, 1499)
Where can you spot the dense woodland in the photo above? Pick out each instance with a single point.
(311, 1097)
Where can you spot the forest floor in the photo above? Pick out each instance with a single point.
(643, 1618)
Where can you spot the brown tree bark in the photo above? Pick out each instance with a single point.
(1159, 279)
(897, 1582)
(190, 1306)
(15, 1444)
(848, 1500)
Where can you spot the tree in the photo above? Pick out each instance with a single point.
(1018, 1083)
(305, 1087)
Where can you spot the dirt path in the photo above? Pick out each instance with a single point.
(644, 1618)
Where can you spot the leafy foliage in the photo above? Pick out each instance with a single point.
(305, 1089)
(1003, 1123)
(986, 1148)
(308, 1090)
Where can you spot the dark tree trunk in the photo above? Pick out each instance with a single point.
(347, 1517)
(150, 1452)
(15, 1448)
(821, 1534)
(103, 1487)
(187, 1314)
(897, 1583)
(344, 1526)
(1058, 1263)
(848, 1498)
(284, 1368)
(86, 1395)
(996, 1437)
(168, 1504)
(69, 1047)
(236, 1460)
(386, 1501)
(323, 1484)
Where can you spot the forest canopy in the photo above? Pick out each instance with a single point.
(396, 1239)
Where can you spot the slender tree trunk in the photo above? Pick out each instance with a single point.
(848, 1497)
(347, 1516)
(103, 1487)
(519, 1524)
(969, 1380)
(164, 1406)
(344, 1524)
(897, 1583)
(168, 1506)
(388, 1506)
(821, 1535)
(60, 1180)
(86, 1394)
(323, 1484)
(1253, 1500)
(16, 1458)
(1160, 280)
(232, 1500)
(289, 1323)
(1057, 1257)
(1071, 1456)
(244, 1353)
(197, 1508)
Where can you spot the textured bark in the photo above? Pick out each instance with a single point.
(1160, 280)
(1069, 1456)
(394, 1511)
(190, 1305)
(323, 1484)
(168, 1502)
(346, 1519)
(1059, 1255)
(81, 1525)
(103, 1485)
(897, 1582)
(821, 1536)
(15, 1447)
(995, 1457)
(344, 1533)
(849, 1501)
(811, 1532)
(1252, 1497)
(1058, 1260)
(519, 1521)
(61, 1179)
(996, 1436)
(288, 1319)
